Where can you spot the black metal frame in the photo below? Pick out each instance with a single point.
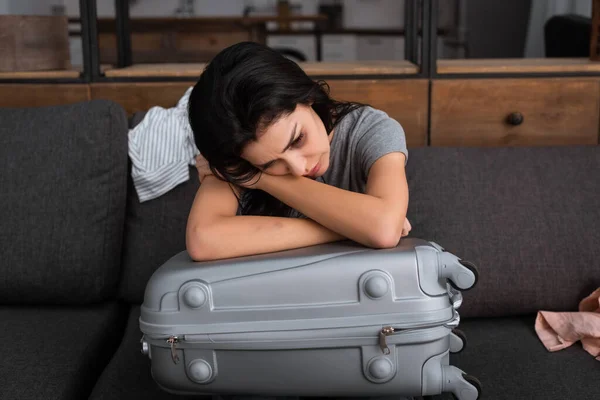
(420, 15)
(411, 18)
(429, 43)
(85, 40)
(92, 42)
(123, 33)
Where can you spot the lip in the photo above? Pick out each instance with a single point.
(315, 169)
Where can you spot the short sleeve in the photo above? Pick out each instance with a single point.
(381, 135)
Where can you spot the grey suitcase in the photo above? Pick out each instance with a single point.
(336, 320)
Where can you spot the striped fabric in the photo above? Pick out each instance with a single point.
(161, 148)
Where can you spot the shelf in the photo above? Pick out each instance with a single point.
(347, 31)
(187, 24)
(517, 65)
(157, 70)
(311, 68)
(402, 67)
(57, 74)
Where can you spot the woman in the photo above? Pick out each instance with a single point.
(284, 166)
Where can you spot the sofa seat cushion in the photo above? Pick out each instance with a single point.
(62, 208)
(55, 352)
(503, 353)
(509, 360)
(127, 376)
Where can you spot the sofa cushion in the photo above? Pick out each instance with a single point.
(63, 202)
(154, 232)
(528, 217)
(509, 360)
(56, 352)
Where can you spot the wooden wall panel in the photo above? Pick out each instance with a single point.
(34, 43)
(141, 96)
(38, 95)
(403, 99)
(477, 112)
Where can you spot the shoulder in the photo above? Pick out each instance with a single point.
(372, 134)
(366, 121)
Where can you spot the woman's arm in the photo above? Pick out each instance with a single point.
(214, 231)
(374, 219)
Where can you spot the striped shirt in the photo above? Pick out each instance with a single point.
(161, 148)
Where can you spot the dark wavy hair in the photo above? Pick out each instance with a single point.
(244, 89)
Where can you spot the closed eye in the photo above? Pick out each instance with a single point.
(295, 143)
(267, 165)
(298, 140)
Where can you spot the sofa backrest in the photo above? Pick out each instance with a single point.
(154, 232)
(63, 176)
(529, 218)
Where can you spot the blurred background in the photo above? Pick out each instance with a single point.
(192, 31)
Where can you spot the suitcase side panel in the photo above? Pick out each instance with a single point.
(332, 371)
(180, 268)
(338, 291)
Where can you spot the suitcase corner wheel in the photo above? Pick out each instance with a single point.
(461, 275)
(472, 391)
(464, 280)
(462, 386)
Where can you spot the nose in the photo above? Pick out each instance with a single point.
(297, 166)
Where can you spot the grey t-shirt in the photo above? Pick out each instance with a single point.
(359, 139)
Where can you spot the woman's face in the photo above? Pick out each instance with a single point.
(296, 144)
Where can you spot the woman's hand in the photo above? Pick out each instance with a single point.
(203, 168)
(204, 171)
(406, 228)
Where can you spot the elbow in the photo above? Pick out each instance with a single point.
(198, 253)
(387, 234)
(197, 245)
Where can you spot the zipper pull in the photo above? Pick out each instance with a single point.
(172, 340)
(385, 331)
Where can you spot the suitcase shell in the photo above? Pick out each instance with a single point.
(337, 319)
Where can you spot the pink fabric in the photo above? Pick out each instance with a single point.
(559, 330)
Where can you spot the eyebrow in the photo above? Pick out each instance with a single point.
(292, 136)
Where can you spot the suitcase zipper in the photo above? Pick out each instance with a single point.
(390, 330)
(172, 341)
(383, 334)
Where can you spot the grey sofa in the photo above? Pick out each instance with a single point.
(78, 248)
